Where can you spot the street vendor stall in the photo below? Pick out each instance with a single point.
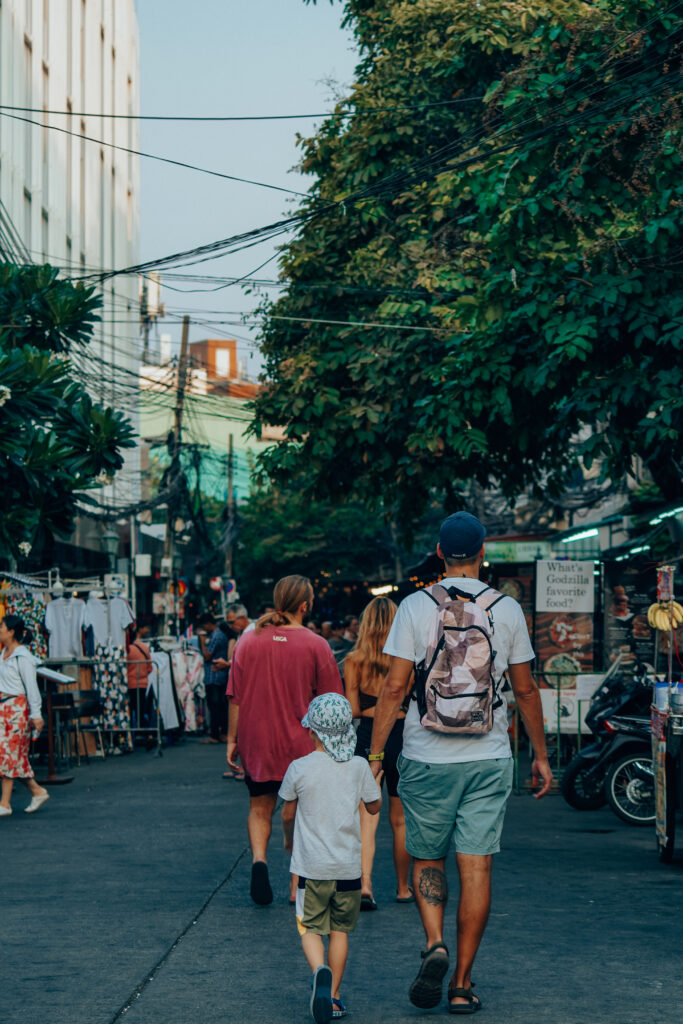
(667, 717)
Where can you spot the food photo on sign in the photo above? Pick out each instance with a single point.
(630, 589)
(563, 621)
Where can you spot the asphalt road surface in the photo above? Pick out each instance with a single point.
(126, 899)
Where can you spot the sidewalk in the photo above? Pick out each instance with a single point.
(139, 870)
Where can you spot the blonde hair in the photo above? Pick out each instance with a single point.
(367, 654)
(289, 594)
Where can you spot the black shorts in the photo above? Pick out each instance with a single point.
(392, 749)
(262, 788)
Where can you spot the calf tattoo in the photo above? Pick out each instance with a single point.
(433, 886)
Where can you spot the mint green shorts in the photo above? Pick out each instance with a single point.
(464, 801)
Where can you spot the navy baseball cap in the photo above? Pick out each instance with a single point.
(461, 535)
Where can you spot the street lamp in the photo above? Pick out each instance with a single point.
(110, 543)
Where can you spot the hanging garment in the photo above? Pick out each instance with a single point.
(109, 619)
(161, 681)
(29, 605)
(188, 673)
(110, 682)
(64, 622)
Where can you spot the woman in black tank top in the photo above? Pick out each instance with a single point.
(365, 670)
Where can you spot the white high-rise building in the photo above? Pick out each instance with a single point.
(73, 202)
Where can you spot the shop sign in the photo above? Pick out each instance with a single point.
(565, 587)
(165, 604)
(516, 551)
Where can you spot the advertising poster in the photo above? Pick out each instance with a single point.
(563, 634)
(630, 589)
(518, 583)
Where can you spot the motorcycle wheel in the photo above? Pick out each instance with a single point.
(585, 794)
(631, 797)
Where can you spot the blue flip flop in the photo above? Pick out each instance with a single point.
(321, 996)
(339, 1008)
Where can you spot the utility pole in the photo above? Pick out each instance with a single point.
(229, 525)
(174, 470)
(228, 550)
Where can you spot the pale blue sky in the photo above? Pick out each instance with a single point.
(229, 57)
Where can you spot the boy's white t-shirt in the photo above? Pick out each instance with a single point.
(327, 824)
(408, 638)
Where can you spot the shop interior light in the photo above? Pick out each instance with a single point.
(583, 535)
(381, 591)
(641, 548)
(666, 515)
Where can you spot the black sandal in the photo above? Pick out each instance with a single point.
(471, 1006)
(425, 991)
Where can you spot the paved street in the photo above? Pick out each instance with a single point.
(126, 898)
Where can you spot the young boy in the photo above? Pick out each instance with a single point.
(321, 823)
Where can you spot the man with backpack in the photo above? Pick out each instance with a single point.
(461, 638)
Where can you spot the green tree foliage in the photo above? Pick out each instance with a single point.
(522, 228)
(54, 440)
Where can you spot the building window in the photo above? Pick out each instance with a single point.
(46, 30)
(81, 189)
(69, 168)
(222, 362)
(45, 234)
(45, 134)
(28, 129)
(28, 216)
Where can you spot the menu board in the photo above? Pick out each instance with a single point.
(630, 588)
(563, 623)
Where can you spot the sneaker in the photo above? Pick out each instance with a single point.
(5, 812)
(321, 996)
(36, 802)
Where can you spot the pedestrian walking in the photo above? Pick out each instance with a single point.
(365, 671)
(321, 823)
(460, 637)
(277, 670)
(214, 643)
(139, 667)
(20, 713)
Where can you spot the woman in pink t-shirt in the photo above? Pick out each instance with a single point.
(277, 670)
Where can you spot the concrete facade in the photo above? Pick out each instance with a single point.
(74, 202)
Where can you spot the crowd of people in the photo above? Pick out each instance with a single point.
(322, 717)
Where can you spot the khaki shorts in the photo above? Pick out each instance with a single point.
(324, 906)
(464, 801)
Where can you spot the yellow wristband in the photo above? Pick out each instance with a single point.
(376, 757)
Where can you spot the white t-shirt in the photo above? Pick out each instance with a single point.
(64, 618)
(327, 823)
(408, 638)
(108, 624)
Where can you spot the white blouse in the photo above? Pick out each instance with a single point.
(18, 679)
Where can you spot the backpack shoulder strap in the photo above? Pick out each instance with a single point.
(487, 598)
(438, 594)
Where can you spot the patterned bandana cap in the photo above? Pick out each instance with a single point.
(331, 719)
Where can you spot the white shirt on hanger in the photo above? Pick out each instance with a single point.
(108, 623)
(64, 618)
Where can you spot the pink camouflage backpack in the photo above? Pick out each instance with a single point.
(454, 686)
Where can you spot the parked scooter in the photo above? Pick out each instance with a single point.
(583, 781)
(630, 782)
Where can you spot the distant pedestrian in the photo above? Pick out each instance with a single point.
(214, 643)
(326, 630)
(340, 646)
(459, 637)
(351, 626)
(313, 626)
(20, 713)
(321, 823)
(277, 669)
(139, 668)
(365, 671)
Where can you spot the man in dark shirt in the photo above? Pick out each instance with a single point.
(214, 644)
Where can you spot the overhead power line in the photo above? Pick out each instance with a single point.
(247, 117)
(151, 156)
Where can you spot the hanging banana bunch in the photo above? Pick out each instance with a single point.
(665, 615)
